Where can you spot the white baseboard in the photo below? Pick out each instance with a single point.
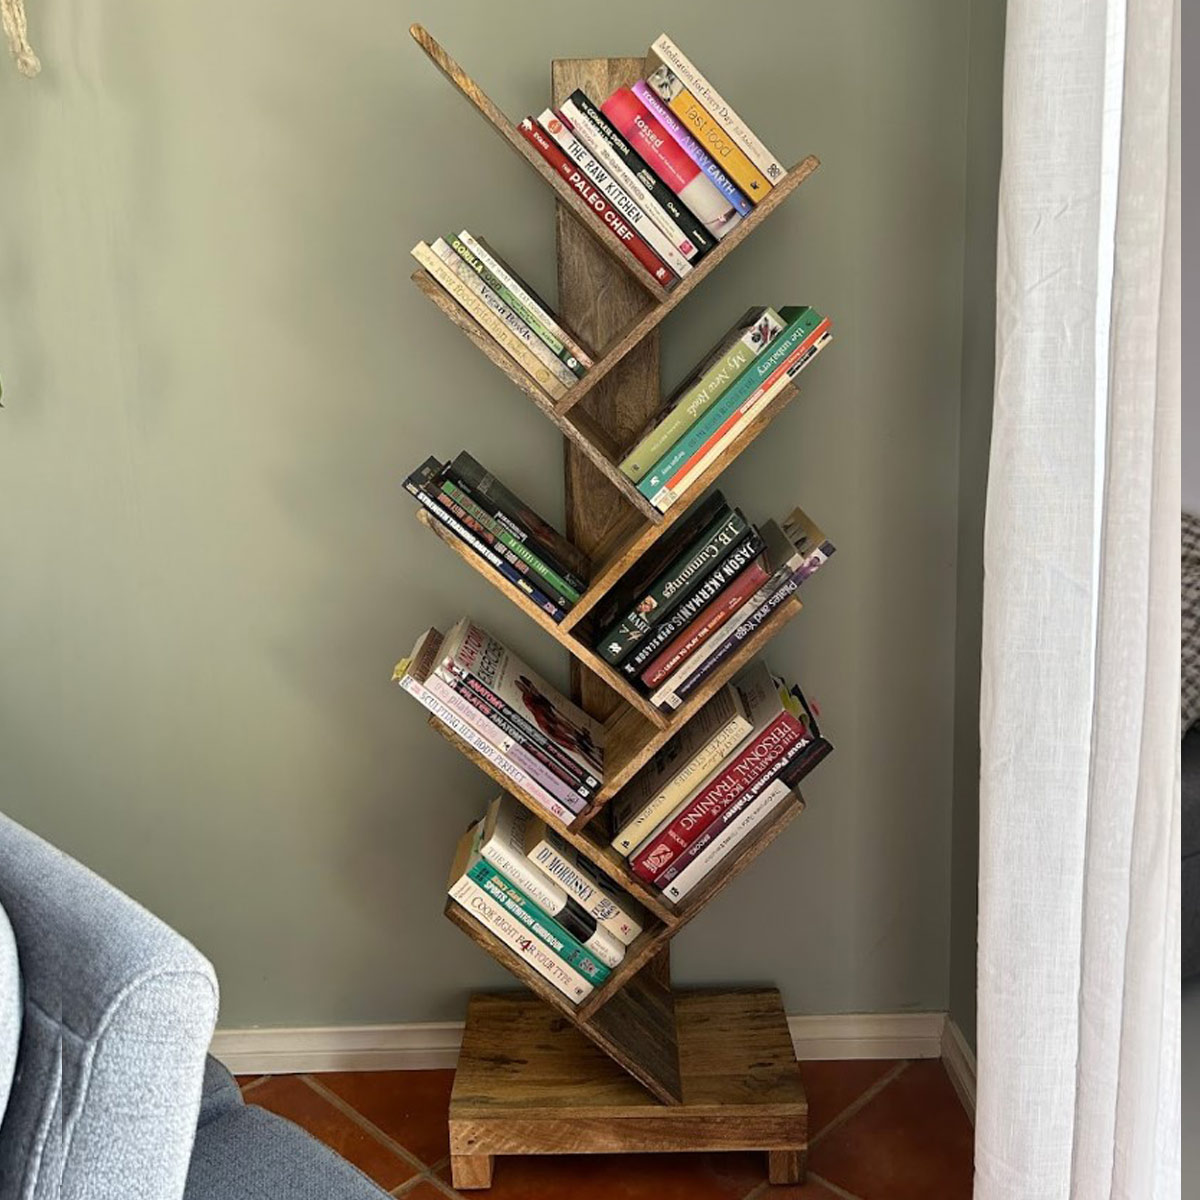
(417, 1047)
(959, 1061)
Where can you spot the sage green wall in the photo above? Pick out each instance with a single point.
(216, 374)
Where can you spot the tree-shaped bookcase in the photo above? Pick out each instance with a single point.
(716, 1069)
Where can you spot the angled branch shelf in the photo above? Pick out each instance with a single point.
(632, 1016)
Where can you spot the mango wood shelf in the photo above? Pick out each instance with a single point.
(638, 1066)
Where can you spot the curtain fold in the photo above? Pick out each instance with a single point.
(1079, 844)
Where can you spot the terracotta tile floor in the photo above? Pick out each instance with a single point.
(878, 1131)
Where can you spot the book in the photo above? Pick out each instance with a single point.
(671, 586)
(473, 720)
(575, 149)
(761, 380)
(792, 551)
(512, 319)
(775, 730)
(502, 843)
(542, 539)
(678, 770)
(551, 932)
(713, 170)
(751, 333)
(491, 914)
(422, 485)
(615, 911)
(664, 53)
(595, 200)
(668, 161)
(500, 333)
(504, 283)
(549, 719)
(672, 205)
(723, 436)
(611, 161)
(688, 609)
(800, 759)
(690, 119)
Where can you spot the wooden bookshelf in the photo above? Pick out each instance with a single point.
(635, 1065)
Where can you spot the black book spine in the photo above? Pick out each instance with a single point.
(743, 554)
(679, 212)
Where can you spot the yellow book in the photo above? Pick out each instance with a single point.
(488, 320)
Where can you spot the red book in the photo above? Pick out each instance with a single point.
(776, 731)
(595, 200)
(706, 622)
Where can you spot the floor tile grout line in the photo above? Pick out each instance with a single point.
(829, 1185)
(367, 1126)
(256, 1082)
(764, 1190)
(851, 1109)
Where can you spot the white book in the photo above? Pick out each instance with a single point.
(612, 162)
(465, 892)
(583, 158)
(724, 843)
(503, 845)
(721, 111)
(511, 318)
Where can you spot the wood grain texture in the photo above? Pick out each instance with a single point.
(469, 1171)
(637, 1030)
(785, 1166)
(496, 120)
(627, 339)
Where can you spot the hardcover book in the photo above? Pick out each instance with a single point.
(679, 769)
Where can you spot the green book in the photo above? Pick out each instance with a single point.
(545, 928)
(754, 330)
(801, 321)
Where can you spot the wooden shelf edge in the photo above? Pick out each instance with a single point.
(496, 120)
(580, 431)
(636, 330)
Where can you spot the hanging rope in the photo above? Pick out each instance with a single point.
(13, 14)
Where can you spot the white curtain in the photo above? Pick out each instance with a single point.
(1078, 1090)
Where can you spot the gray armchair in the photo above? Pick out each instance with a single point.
(105, 1019)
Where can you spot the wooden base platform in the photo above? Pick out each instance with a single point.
(528, 1082)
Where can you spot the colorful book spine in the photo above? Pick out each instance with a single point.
(725, 434)
(531, 318)
(689, 609)
(670, 587)
(664, 52)
(691, 118)
(447, 517)
(562, 862)
(574, 148)
(491, 914)
(611, 161)
(765, 370)
(697, 399)
(731, 837)
(760, 757)
(508, 341)
(518, 905)
(593, 198)
(481, 745)
(563, 594)
(742, 625)
(693, 149)
(511, 318)
(667, 160)
(705, 625)
(691, 225)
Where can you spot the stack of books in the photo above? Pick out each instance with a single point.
(503, 531)
(508, 713)
(717, 780)
(668, 165)
(547, 903)
(507, 309)
(700, 593)
(752, 364)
